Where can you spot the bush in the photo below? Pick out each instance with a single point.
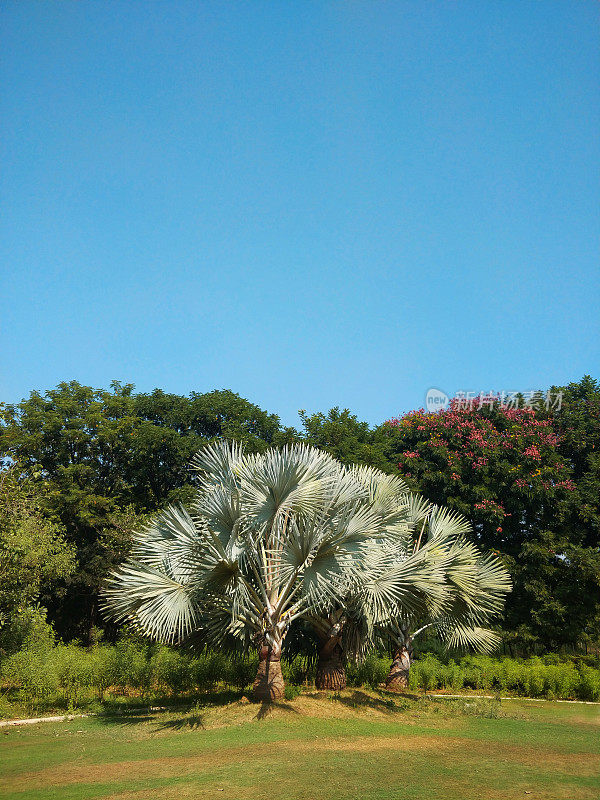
(427, 674)
(33, 673)
(370, 672)
(508, 675)
(534, 677)
(26, 630)
(104, 673)
(589, 683)
(298, 670)
(242, 672)
(561, 680)
(172, 670)
(53, 674)
(208, 669)
(535, 680)
(131, 665)
(455, 676)
(6, 709)
(291, 691)
(74, 670)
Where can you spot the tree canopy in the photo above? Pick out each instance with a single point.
(110, 457)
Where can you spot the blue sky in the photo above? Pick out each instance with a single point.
(313, 204)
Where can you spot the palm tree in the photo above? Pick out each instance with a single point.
(475, 588)
(340, 625)
(431, 579)
(271, 538)
(386, 584)
(288, 535)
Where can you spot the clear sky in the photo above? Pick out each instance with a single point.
(312, 204)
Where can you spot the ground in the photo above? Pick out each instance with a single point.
(351, 745)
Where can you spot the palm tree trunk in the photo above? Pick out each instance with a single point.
(268, 684)
(331, 670)
(397, 679)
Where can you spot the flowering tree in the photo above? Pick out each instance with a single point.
(503, 468)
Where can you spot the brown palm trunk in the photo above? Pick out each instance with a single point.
(397, 679)
(268, 684)
(331, 670)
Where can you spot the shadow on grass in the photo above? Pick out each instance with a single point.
(382, 703)
(404, 695)
(131, 711)
(192, 723)
(268, 706)
(107, 717)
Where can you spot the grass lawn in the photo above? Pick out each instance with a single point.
(359, 744)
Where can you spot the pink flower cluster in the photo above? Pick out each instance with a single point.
(492, 507)
(468, 435)
(567, 484)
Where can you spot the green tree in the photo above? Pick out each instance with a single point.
(109, 458)
(34, 553)
(573, 579)
(273, 537)
(344, 436)
(577, 422)
(475, 589)
(426, 578)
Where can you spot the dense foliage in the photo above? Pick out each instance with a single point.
(94, 463)
(59, 676)
(34, 554)
(108, 458)
(528, 480)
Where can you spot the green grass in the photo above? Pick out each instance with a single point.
(358, 744)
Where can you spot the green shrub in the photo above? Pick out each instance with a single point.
(370, 672)
(6, 710)
(535, 680)
(299, 670)
(478, 672)
(74, 670)
(131, 666)
(104, 673)
(291, 691)
(560, 680)
(533, 677)
(26, 630)
(242, 671)
(552, 658)
(34, 673)
(455, 676)
(53, 674)
(589, 683)
(208, 669)
(172, 670)
(507, 677)
(427, 674)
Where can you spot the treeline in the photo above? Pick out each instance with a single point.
(82, 468)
